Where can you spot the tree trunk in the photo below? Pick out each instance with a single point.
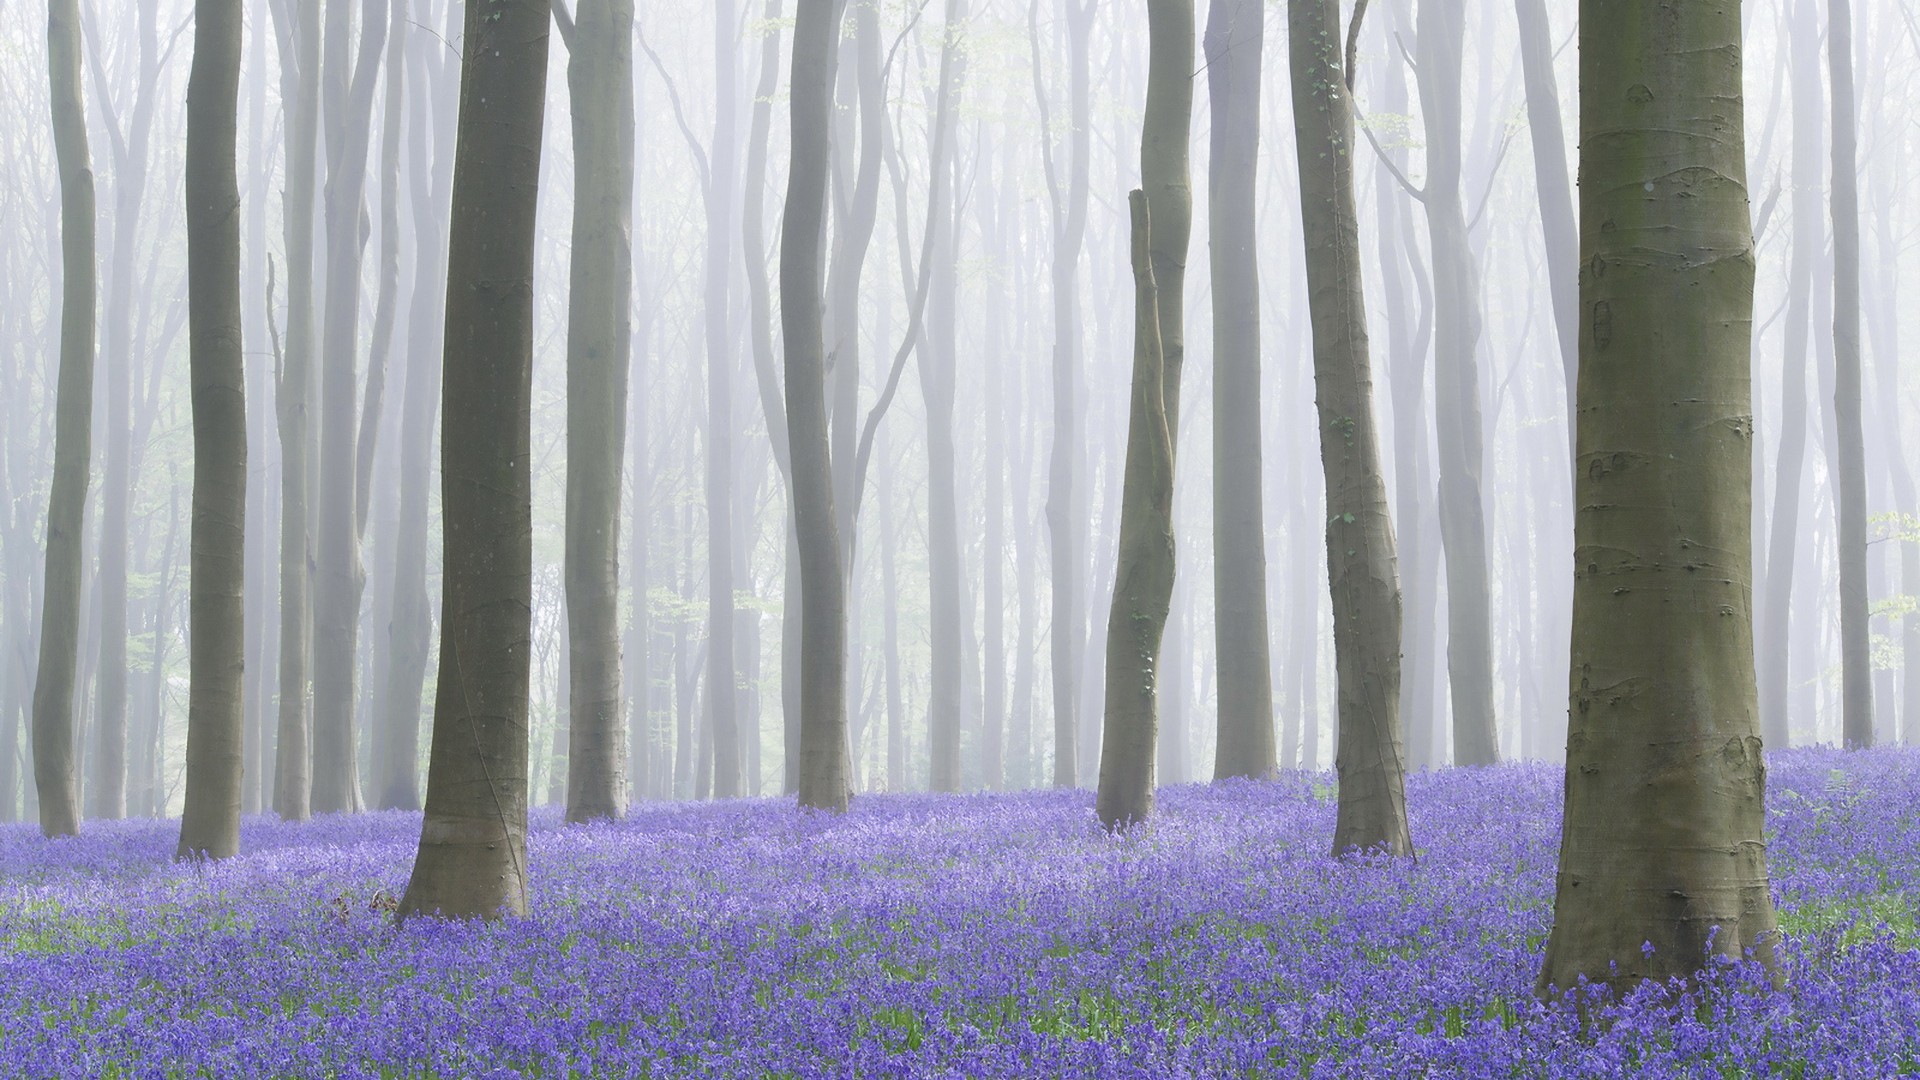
(1550, 183)
(53, 689)
(723, 719)
(1439, 43)
(107, 784)
(600, 78)
(1850, 486)
(473, 842)
(939, 362)
(1236, 30)
(1066, 527)
(1808, 245)
(210, 824)
(1143, 576)
(300, 89)
(1422, 723)
(1662, 858)
(760, 320)
(431, 171)
(1164, 136)
(339, 577)
(823, 717)
(1363, 578)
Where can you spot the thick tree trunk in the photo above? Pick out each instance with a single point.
(1662, 857)
(1236, 30)
(1363, 578)
(823, 716)
(600, 77)
(210, 824)
(1439, 44)
(1850, 486)
(54, 773)
(1165, 133)
(300, 88)
(473, 842)
(1143, 576)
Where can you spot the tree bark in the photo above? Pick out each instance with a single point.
(722, 716)
(339, 576)
(600, 78)
(1165, 133)
(299, 26)
(1850, 486)
(1662, 857)
(1143, 577)
(1363, 578)
(210, 823)
(1439, 44)
(1775, 649)
(431, 172)
(1236, 31)
(939, 362)
(472, 859)
(53, 689)
(823, 717)
(1066, 527)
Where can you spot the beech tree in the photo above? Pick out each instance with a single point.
(210, 825)
(1364, 579)
(1236, 30)
(473, 842)
(1662, 857)
(823, 766)
(54, 772)
(600, 77)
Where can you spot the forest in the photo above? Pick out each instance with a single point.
(988, 538)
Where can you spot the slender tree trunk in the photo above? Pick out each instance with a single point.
(1550, 182)
(1439, 43)
(722, 717)
(1662, 857)
(106, 789)
(339, 576)
(300, 88)
(760, 319)
(1775, 650)
(1850, 486)
(1364, 580)
(600, 77)
(1421, 723)
(1066, 527)
(823, 716)
(210, 825)
(431, 173)
(1236, 30)
(473, 843)
(1143, 578)
(939, 361)
(53, 689)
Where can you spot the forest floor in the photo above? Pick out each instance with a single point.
(962, 936)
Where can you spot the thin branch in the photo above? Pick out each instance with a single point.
(1353, 40)
(1414, 193)
(679, 114)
